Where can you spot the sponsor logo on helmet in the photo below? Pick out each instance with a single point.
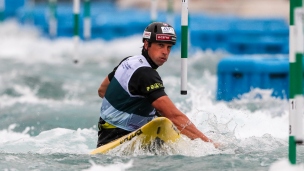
(163, 37)
(168, 30)
(147, 35)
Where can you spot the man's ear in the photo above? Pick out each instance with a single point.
(146, 44)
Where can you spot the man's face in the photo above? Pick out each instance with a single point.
(158, 52)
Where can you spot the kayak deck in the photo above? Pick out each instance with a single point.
(160, 130)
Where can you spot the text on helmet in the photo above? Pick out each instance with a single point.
(163, 37)
(147, 35)
(168, 30)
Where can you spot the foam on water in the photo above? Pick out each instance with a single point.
(284, 165)
(114, 167)
(8, 135)
(280, 165)
(57, 140)
(249, 124)
(29, 96)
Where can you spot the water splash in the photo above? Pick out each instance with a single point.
(113, 167)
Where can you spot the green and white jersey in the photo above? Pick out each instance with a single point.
(128, 99)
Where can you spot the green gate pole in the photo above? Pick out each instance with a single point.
(298, 22)
(87, 20)
(184, 46)
(2, 9)
(53, 18)
(295, 79)
(76, 10)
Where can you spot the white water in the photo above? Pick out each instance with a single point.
(240, 126)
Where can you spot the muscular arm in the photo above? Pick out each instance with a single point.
(142, 80)
(166, 107)
(103, 87)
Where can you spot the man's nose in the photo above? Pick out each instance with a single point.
(166, 50)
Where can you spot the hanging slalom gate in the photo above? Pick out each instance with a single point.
(184, 46)
(76, 10)
(296, 76)
(2, 9)
(87, 20)
(236, 35)
(52, 18)
(53, 23)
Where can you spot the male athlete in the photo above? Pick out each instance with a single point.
(133, 93)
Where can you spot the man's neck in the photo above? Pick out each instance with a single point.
(146, 55)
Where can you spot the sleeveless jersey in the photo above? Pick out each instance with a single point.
(119, 106)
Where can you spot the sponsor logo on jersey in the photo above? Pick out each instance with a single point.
(125, 65)
(154, 86)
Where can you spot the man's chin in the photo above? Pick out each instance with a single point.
(160, 64)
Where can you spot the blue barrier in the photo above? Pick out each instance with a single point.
(258, 45)
(262, 36)
(239, 74)
(12, 6)
(210, 33)
(108, 27)
(229, 33)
